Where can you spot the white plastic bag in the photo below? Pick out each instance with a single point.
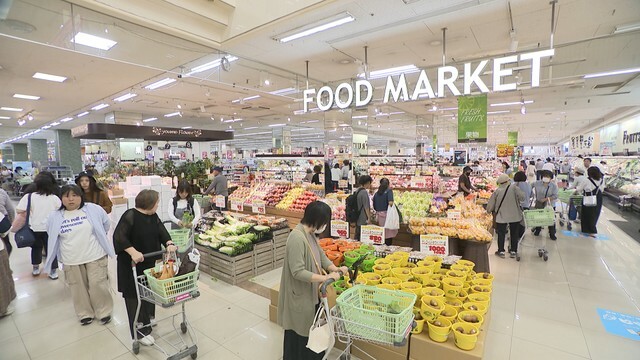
(320, 333)
(393, 220)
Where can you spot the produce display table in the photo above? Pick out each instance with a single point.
(475, 251)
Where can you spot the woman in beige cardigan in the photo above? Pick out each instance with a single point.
(302, 274)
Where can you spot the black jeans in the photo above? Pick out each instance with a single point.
(295, 346)
(514, 232)
(147, 311)
(36, 249)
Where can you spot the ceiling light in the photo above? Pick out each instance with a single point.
(251, 128)
(150, 119)
(498, 112)
(514, 103)
(46, 127)
(26, 97)
(179, 106)
(611, 73)
(21, 122)
(286, 91)
(93, 41)
(5, 117)
(172, 114)
(275, 125)
(620, 29)
(157, 84)
(10, 109)
(29, 117)
(186, 127)
(99, 107)
(55, 123)
(378, 74)
(246, 99)
(43, 76)
(317, 27)
(125, 97)
(82, 114)
(210, 65)
(267, 82)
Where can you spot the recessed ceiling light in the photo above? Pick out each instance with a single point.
(125, 97)
(99, 107)
(5, 117)
(55, 123)
(93, 41)
(11, 109)
(514, 103)
(43, 76)
(26, 97)
(172, 114)
(150, 119)
(82, 114)
(316, 27)
(157, 84)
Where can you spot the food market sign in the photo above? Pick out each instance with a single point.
(361, 93)
(434, 244)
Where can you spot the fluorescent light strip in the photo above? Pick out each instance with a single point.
(4, 118)
(343, 19)
(360, 117)
(80, 115)
(157, 84)
(43, 76)
(210, 65)
(620, 29)
(246, 99)
(286, 91)
(150, 119)
(93, 41)
(251, 128)
(405, 69)
(125, 97)
(99, 107)
(10, 109)
(514, 103)
(26, 97)
(46, 127)
(186, 127)
(232, 120)
(611, 73)
(172, 114)
(276, 125)
(55, 123)
(498, 112)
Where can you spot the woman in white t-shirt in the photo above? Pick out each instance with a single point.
(78, 236)
(183, 203)
(43, 203)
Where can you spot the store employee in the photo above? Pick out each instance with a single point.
(464, 182)
(219, 184)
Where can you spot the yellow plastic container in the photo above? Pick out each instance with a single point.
(452, 287)
(467, 287)
(481, 282)
(386, 286)
(422, 273)
(461, 268)
(462, 295)
(395, 260)
(372, 278)
(450, 313)
(480, 298)
(405, 255)
(411, 265)
(428, 311)
(463, 314)
(454, 303)
(411, 286)
(432, 283)
(479, 289)
(464, 340)
(382, 269)
(441, 271)
(462, 276)
(484, 276)
(475, 306)
(426, 263)
(436, 259)
(431, 291)
(382, 262)
(419, 327)
(402, 273)
(437, 277)
(440, 333)
(467, 263)
(393, 281)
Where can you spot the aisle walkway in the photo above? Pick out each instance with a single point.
(539, 310)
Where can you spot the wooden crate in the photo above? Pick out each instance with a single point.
(231, 269)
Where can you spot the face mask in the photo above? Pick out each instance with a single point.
(321, 230)
(546, 180)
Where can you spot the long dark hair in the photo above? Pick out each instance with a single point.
(45, 183)
(71, 189)
(594, 173)
(184, 186)
(384, 185)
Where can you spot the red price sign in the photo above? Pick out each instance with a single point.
(434, 244)
(343, 184)
(339, 228)
(371, 234)
(259, 207)
(220, 202)
(418, 182)
(237, 205)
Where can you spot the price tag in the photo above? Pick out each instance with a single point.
(371, 234)
(220, 202)
(454, 214)
(340, 229)
(418, 182)
(343, 184)
(259, 207)
(237, 205)
(434, 244)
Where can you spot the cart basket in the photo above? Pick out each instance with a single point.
(539, 218)
(180, 238)
(171, 290)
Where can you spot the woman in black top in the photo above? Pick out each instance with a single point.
(464, 182)
(138, 232)
(316, 174)
(382, 200)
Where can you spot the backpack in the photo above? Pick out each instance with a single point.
(351, 208)
(190, 202)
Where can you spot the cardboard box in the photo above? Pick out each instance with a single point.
(131, 201)
(119, 201)
(166, 188)
(133, 180)
(274, 292)
(273, 314)
(122, 184)
(151, 180)
(157, 188)
(116, 193)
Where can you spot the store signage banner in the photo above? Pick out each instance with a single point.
(435, 146)
(360, 144)
(371, 234)
(512, 138)
(360, 93)
(472, 119)
(460, 157)
(114, 131)
(582, 144)
(434, 244)
(339, 228)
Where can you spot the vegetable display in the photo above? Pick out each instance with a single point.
(233, 238)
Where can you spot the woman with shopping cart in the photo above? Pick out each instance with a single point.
(305, 268)
(546, 194)
(504, 204)
(138, 232)
(591, 189)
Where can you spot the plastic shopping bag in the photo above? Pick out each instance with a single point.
(320, 333)
(393, 220)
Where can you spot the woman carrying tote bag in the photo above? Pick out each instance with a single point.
(591, 189)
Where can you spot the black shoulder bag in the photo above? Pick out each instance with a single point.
(25, 236)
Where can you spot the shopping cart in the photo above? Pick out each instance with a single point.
(369, 314)
(167, 293)
(182, 238)
(568, 200)
(537, 218)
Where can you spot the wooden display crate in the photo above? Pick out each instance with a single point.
(231, 269)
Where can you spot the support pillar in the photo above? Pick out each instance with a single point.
(68, 150)
(38, 151)
(20, 152)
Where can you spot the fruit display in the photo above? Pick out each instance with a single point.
(289, 198)
(337, 208)
(242, 192)
(413, 203)
(277, 193)
(259, 193)
(275, 223)
(301, 202)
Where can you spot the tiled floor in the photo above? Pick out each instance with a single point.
(540, 310)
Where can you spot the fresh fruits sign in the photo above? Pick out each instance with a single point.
(340, 229)
(371, 234)
(434, 244)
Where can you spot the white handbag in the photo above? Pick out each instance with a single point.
(589, 198)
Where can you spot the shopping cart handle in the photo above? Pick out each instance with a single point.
(148, 255)
(323, 287)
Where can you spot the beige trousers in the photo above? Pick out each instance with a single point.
(89, 284)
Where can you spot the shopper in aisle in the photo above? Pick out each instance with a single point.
(546, 194)
(8, 211)
(464, 181)
(92, 192)
(531, 172)
(506, 168)
(78, 236)
(549, 166)
(505, 204)
(346, 168)
(520, 180)
(586, 162)
(328, 184)
(138, 232)
(309, 176)
(382, 201)
(477, 168)
(7, 286)
(523, 166)
(31, 188)
(364, 204)
(317, 170)
(305, 267)
(184, 203)
(336, 175)
(592, 187)
(218, 185)
(42, 203)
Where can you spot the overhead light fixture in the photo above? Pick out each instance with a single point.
(498, 112)
(316, 27)
(245, 99)
(125, 97)
(523, 109)
(93, 41)
(157, 84)
(48, 77)
(10, 109)
(514, 103)
(612, 73)
(186, 127)
(99, 107)
(81, 114)
(55, 123)
(29, 117)
(360, 117)
(621, 29)
(286, 91)
(21, 122)
(378, 74)
(276, 125)
(251, 128)
(4, 118)
(46, 127)
(150, 119)
(26, 97)
(210, 65)
(172, 114)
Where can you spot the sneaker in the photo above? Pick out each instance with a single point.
(53, 275)
(500, 253)
(152, 321)
(105, 320)
(36, 270)
(86, 321)
(512, 254)
(553, 237)
(148, 340)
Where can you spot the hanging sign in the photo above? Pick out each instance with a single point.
(371, 234)
(258, 207)
(220, 202)
(237, 205)
(339, 228)
(512, 138)
(472, 119)
(434, 244)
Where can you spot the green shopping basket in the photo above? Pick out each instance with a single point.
(539, 218)
(565, 195)
(180, 238)
(172, 290)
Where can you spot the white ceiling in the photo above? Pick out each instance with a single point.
(396, 34)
